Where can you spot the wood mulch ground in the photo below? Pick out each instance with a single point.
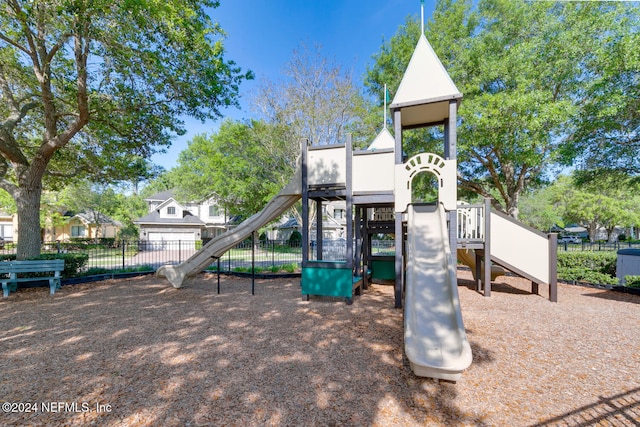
(136, 352)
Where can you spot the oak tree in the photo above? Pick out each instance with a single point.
(87, 86)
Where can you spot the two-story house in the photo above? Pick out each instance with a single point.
(171, 221)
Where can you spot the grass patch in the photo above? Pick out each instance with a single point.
(94, 271)
(274, 269)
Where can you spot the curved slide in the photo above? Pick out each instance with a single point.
(176, 274)
(435, 340)
(468, 258)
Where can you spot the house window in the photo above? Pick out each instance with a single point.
(78, 231)
(214, 210)
(6, 231)
(171, 210)
(338, 213)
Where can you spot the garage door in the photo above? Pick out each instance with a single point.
(172, 240)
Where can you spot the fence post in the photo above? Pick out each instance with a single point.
(218, 276)
(253, 262)
(123, 252)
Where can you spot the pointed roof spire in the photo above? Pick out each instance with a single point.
(425, 81)
(383, 140)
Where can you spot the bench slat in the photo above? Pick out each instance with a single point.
(24, 269)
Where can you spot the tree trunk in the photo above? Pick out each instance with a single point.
(28, 206)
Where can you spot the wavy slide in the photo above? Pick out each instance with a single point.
(468, 258)
(176, 274)
(435, 339)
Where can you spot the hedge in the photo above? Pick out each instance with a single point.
(591, 267)
(632, 281)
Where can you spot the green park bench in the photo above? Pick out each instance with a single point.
(14, 272)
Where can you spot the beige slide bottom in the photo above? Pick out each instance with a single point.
(435, 339)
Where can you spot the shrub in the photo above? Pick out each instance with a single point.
(582, 275)
(289, 268)
(632, 281)
(591, 267)
(73, 263)
(7, 257)
(295, 239)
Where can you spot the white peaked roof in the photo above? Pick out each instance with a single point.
(426, 88)
(382, 141)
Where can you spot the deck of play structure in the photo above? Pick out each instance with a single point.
(375, 184)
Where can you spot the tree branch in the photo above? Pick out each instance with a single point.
(15, 117)
(57, 46)
(5, 184)
(32, 51)
(13, 43)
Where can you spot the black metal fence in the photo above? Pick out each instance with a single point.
(270, 255)
(597, 246)
(108, 255)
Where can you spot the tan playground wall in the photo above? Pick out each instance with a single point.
(520, 247)
(327, 166)
(373, 172)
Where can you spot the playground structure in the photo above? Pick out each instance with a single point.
(375, 185)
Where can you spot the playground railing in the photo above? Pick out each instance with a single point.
(471, 222)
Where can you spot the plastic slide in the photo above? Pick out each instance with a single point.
(468, 258)
(176, 274)
(434, 338)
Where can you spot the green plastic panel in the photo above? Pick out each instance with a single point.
(333, 282)
(383, 269)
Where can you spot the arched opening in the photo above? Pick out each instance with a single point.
(438, 185)
(424, 188)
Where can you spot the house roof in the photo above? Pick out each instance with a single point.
(288, 223)
(171, 194)
(574, 228)
(166, 198)
(154, 218)
(162, 196)
(89, 217)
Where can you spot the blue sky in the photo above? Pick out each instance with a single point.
(262, 34)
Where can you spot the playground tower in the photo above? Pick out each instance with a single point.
(426, 97)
